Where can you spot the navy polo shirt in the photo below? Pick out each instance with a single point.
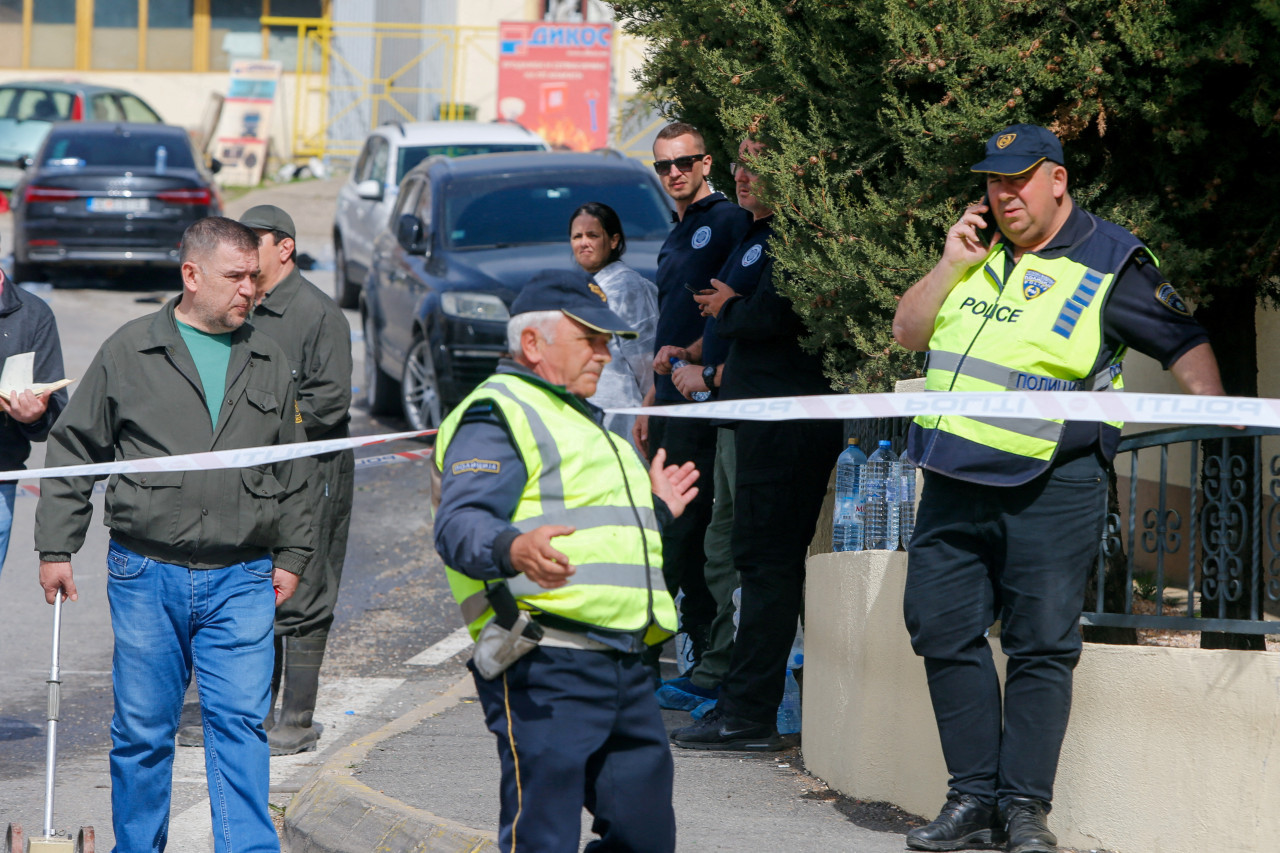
(741, 272)
(693, 254)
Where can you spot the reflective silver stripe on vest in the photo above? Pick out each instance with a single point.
(622, 575)
(585, 518)
(551, 486)
(1014, 380)
(1030, 427)
(474, 606)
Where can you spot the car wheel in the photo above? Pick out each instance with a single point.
(420, 389)
(380, 390)
(345, 293)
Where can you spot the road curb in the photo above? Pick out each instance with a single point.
(333, 813)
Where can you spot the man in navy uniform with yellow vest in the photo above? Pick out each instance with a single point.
(546, 515)
(1012, 509)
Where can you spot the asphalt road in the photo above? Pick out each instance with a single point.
(394, 600)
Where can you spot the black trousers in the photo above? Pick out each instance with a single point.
(309, 611)
(580, 728)
(782, 475)
(683, 559)
(1021, 554)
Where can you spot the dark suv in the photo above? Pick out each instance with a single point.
(465, 235)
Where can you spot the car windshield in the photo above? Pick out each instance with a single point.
(137, 149)
(502, 210)
(415, 154)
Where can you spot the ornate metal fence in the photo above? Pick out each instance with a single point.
(1204, 549)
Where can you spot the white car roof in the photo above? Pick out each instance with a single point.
(456, 133)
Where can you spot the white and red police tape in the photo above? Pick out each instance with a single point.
(1066, 405)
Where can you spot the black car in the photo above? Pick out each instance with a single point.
(463, 238)
(104, 194)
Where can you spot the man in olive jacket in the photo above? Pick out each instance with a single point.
(194, 555)
(315, 335)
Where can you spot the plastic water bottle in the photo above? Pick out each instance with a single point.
(847, 528)
(907, 502)
(789, 710)
(162, 159)
(698, 396)
(881, 481)
(684, 643)
(796, 659)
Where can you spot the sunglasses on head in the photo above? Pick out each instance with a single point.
(684, 164)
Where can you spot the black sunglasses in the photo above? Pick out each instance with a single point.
(684, 164)
(735, 168)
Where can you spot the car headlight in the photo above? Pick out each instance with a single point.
(474, 306)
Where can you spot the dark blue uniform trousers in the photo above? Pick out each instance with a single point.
(580, 728)
(1022, 554)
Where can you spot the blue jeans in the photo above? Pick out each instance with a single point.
(170, 622)
(8, 491)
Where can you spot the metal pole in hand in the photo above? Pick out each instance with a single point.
(51, 751)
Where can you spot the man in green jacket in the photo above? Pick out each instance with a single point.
(316, 338)
(194, 555)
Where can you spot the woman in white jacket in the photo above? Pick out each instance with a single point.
(595, 234)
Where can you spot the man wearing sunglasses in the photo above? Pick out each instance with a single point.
(708, 226)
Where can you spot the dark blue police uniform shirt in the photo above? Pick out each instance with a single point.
(693, 254)
(1139, 314)
(741, 272)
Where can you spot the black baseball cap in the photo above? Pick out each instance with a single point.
(574, 294)
(1017, 148)
(268, 217)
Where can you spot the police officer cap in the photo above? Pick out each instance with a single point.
(1017, 148)
(576, 295)
(269, 218)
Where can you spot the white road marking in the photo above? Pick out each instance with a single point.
(192, 829)
(459, 640)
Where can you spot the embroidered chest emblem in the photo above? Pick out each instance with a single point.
(701, 237)
(1035, 283)
(752, 255)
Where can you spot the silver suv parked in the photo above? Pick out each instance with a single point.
(368, 196)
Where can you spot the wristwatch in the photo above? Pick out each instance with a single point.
(709, 377)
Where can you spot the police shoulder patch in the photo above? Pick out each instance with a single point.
(297, 413)
(1169, 298)
(752, 255)
(701, 237)
(1034, 283)
(477, 466)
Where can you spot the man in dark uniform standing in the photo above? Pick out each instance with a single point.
(780, 483)
(1053, 302)
(315, 335)
(708, 227)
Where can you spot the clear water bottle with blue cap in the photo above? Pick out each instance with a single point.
(907, 502)
(847, 527)
(882, 481)
(697, 396)
(789, 718)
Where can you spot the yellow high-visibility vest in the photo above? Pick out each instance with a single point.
(586, 477)
(1038, 330)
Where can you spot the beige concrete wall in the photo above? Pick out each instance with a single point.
(1168, 750)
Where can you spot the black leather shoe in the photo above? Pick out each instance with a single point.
(965, 823)
(1027, 825)
(718, 731)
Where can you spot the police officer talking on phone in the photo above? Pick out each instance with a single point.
(1012, 509)
(550, 528)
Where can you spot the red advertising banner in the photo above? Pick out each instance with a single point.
(554, 79)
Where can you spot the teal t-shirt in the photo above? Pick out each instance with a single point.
(212, 355)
